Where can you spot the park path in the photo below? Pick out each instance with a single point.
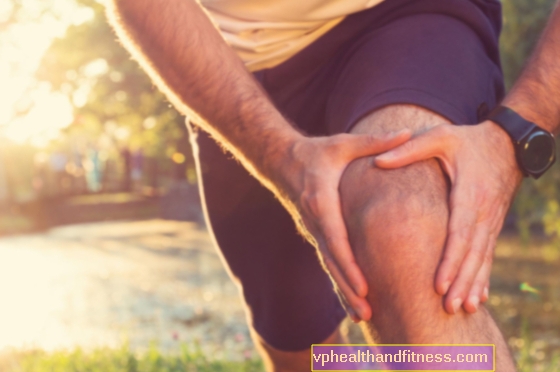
(102, 284)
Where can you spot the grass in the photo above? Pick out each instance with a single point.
(189, 359)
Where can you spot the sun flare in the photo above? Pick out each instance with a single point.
(30, 111)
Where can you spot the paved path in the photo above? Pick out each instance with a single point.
(104, 283)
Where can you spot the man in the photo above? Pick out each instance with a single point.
(408, 237)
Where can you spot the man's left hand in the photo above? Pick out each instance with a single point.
(480, 162)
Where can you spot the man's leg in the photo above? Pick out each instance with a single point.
(289, 361)
(397, 223)
(290, 303)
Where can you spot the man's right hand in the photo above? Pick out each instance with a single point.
(308, 179)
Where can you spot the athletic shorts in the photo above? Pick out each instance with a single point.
(438, 54)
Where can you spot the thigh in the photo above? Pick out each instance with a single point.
(290, 300)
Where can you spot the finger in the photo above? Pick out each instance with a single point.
(333, 232)
(461, 228)
(477, 293)
(361, 145)
(359, 305)
(499, 222)
(430, 144)
(470, 267)
(351, 312)
(485, 292)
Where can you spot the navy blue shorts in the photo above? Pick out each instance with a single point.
(439, 54)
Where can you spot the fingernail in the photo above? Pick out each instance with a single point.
(353, 316)
(485, 292)
(456, 304)
(445, 287)
(474, 300)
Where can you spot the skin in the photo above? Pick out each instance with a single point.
(398, 226)
(180, 49)
(463, 151)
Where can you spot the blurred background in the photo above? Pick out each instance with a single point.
(105, 263)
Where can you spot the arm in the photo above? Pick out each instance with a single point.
(535, 94)
(184, 54)
(480, 162)
(186, 57)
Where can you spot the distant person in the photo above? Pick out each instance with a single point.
(126, 157)
(331, 83)
(93, 170)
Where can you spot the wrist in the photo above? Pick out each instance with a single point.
(274, 161)
(503, 145)
(547, 117)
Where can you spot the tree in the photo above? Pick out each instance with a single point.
(112, 97)
(537, 202)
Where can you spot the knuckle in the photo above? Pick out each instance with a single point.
(332, 241)
(488, 259)
(478, 255)
(461, 234)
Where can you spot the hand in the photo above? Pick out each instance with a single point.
(309, 187)
(480, 163)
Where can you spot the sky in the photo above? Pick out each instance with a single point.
(21, 49)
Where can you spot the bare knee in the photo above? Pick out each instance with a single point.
(397, 225)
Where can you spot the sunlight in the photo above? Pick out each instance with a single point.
(42, 113)
(52, 112)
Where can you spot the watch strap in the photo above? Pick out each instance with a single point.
(515, 125)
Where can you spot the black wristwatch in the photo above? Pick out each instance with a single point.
(535, 148)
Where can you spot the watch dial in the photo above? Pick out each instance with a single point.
(538, 151)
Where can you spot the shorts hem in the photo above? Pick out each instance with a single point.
(407, 96)
(327, 328)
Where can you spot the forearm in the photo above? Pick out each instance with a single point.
(179, 47)
(535, 94)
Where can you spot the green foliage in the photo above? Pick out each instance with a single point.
(531, 357)
(524, 21)
(537, 202)
(112, 97)
(189, 359)
(115, 99)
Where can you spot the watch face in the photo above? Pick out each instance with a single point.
(538, 151)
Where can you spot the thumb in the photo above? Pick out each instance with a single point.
(361, 145)
(431, 144)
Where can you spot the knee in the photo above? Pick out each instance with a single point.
(394, 210)
(397, 225)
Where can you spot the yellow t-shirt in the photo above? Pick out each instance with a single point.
(265, 33)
